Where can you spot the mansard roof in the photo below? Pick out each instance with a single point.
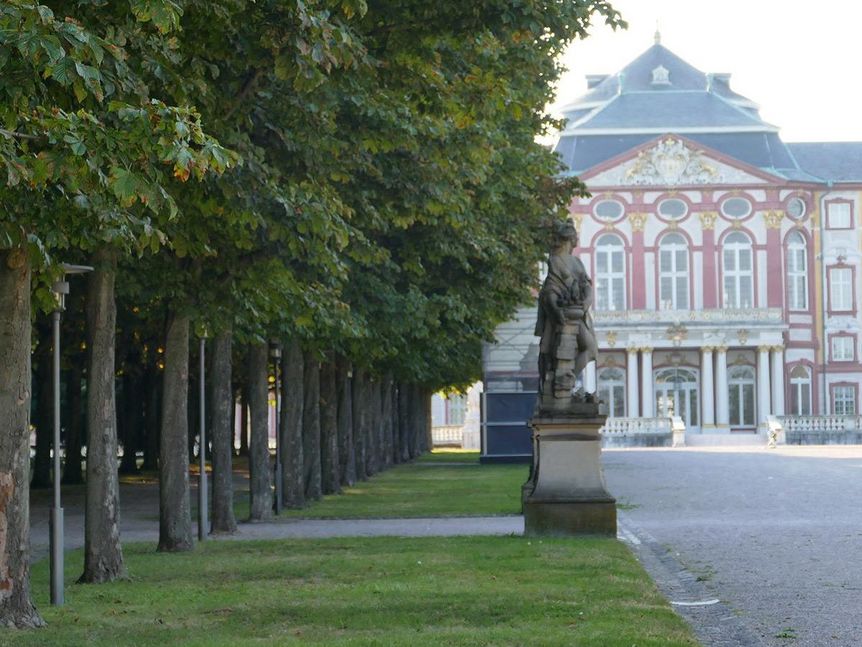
(660, 93)
(830, 161)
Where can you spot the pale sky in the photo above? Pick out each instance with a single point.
(800, 61)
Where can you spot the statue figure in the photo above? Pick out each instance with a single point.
(568, 342)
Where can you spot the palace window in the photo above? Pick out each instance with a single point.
(741, 396)
(612, 390)
(737, 272)
(840, 289)
(800, 391)
(839, 215)
(673, 273)
(672, 208)
(843, 348)
(610, 274)
(736, 208)
(797, 272)
(796, 207)
(609, 210)
(844, 400)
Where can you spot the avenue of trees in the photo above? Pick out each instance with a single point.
(356, 181)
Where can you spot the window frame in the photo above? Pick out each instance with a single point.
(797, 243)
(796, 385)
(829, 214)
(674, 274)
(844, 387)
(736, 274)
(608, 280)
(850, 295)
(842, 337)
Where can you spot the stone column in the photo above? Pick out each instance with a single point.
(778, 380)
(591, 381)
(721, 400)
(707, 391)
(763, 405)
(649, 396)
(633, 396)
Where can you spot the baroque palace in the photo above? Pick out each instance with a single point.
(725, 266)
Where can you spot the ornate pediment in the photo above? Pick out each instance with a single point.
(672, 162)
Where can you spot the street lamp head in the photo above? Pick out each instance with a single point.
(61, 288)
(68, 268)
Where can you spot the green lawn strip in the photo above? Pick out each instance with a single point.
(449, 456)
(426, 490)
(365, 591)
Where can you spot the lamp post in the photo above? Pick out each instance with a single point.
(60, 289)
(275, 353)
(202, 451)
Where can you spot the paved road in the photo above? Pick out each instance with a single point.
(775, 535)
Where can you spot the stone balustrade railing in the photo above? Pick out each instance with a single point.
(825, 424)
(447, 435)
(624, 426)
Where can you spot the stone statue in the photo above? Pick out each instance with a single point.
(568, 342)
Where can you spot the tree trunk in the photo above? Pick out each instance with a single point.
(291, 427)
(346, 447)
(372, 417)
(103, 555)
(175, 519)
(329, 461)
(72, 467)
(386, 420)
(311, 427)
(426, 442)
(259, 465)
(44, 409)
(16, 607)
(360, 421)
(404, 422)
(221, 431)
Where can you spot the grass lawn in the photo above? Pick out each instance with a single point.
(438, 484)
(366, 591)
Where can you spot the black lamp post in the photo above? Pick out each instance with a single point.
(60, 289)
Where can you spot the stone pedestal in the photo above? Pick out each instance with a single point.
(566, 494)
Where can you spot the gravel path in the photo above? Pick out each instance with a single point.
(774, 535)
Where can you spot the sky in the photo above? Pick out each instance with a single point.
(798, 60)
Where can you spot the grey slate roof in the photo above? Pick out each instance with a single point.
(628, 108)
(830, 161)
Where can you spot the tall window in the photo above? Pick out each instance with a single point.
(741, 396)
(610, 274)
(797, 272)
(800, 391)
(840, 289)
(673, 273)
(737, 271)
(844, 400)
(612, 390)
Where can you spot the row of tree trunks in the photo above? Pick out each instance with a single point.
(292, 404)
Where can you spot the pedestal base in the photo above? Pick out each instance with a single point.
(566, 494)
(570, 518)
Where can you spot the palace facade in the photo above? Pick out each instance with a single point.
(725, 266)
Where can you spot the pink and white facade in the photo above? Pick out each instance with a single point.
(725, 263)
(707, 299)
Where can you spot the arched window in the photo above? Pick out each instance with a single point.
(797, 272)
(612, 390)
(673, 273)
(800, 391)
(737, 272)
(610, 274)
(676, 394)
(741, 396)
